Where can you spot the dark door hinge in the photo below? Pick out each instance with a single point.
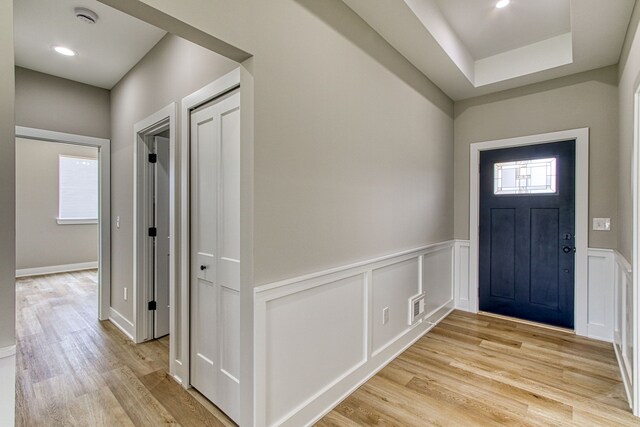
(153, 158)
(152, 305)
(153, 232)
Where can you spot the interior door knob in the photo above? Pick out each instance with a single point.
(203, 267)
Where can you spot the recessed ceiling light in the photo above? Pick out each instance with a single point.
(502, 3)
(64, 51)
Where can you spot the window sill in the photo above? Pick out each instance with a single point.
(76, 221)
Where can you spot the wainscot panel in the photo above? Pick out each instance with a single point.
(623, 318)
(320, 336)
(600, 288)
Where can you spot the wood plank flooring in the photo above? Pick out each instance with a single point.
(470, 370)
(475, 370)
(73, 370)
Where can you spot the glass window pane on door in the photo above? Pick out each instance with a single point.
(531, 176)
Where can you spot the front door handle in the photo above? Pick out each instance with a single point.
(567, 249)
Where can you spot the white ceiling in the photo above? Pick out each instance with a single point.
(106, 50)
(482, 27)
(469, 48)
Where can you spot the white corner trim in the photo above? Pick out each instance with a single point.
(7, 351)
(38, 271)
(581, 136)
(122, 323)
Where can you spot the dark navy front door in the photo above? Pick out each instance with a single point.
(527, 232)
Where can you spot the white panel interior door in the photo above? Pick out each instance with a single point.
(215, 253)
(161, 253)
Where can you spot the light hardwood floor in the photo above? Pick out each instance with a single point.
(470, 370)
(475, 370)
(73, 370)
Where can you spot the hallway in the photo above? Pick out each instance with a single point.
(73, 370)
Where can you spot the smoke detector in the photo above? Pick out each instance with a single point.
(85, 15)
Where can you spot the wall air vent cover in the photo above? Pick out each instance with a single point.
(416, 308)
(85, 15)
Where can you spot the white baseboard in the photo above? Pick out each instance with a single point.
(38, 271)
(7, 385)
(327, 335)
(122, 323)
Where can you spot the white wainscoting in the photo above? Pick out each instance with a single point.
(623, 320)
(600, 288)
(600, 294)
(7, 385)
(320, 336)
(461, 275)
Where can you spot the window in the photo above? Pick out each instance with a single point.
(535, 176)
(78, 190)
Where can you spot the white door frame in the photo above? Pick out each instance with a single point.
(224, 84)
(157, 122)
(104, 200)
(581, 136)
(635, 262)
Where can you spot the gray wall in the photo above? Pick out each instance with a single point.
(173, 69)
(588, 99)
(53, 103)
(7, 179)
(629, 74)
(40, 240)
(353, 154)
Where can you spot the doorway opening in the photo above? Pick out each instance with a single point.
(80, 169)
(154, 225)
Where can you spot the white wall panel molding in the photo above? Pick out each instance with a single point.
(461, 275)
(7, 385)
(38, 271)
(623, 320)
(598, 304)
(600, 294)
(320, 336)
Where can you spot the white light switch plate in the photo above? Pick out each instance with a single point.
(602, 224)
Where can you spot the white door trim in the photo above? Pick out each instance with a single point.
(166, 117)
(104, 222)
(581, 136)
(635, 261)
(226, 83)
